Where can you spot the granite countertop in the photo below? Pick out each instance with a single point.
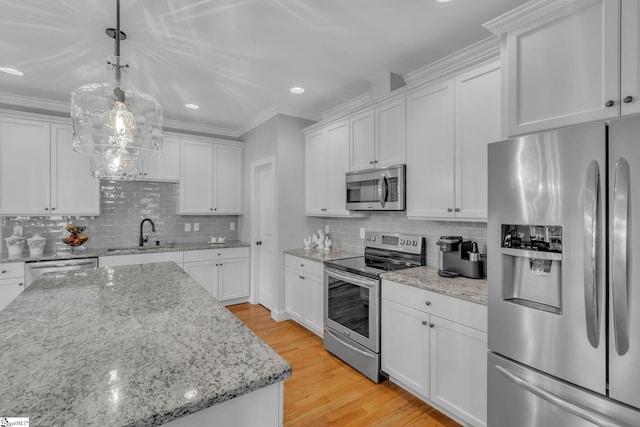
(122, 346)
(474, 290)
(320, 255)
(125, 250)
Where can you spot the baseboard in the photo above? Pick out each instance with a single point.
(279, 315)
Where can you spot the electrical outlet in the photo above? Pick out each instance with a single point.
(327, 228)
(187, 226)
(362, 233)
(196, 226)
(232, 226)
(18, 230)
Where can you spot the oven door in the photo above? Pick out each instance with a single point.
(351, 307)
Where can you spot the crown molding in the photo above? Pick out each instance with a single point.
(272, 111)
(348, 106)
(27, 103)
(526, 13)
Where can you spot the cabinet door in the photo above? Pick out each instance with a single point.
(430, 152)
(9, 290)
(459, 370)
(315, 173)
(196, 177)
(233, 278)
(630, 57)
(24, 167)
(227, 179)
(337, 160)
(477, 123)
(313, 291)
(167, 167)
(405, 346)
(362, 155)
(390, 133)
(563, 68)
(73, 190)
(293, 303)
(204, 272)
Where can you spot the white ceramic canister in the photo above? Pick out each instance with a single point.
(15, 244)
(36, 245)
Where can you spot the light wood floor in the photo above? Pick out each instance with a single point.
(324, 391)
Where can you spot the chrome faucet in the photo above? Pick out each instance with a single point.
(153, 229)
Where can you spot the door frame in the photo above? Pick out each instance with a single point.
(255, 289)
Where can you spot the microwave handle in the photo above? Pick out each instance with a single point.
(382, 190)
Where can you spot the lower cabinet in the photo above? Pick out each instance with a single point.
(303, 294)
(11, 282)
(436, 347)
(222, 272)
(117, 260)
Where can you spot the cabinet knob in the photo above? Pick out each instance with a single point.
(424, 322)
(145, 174)
(215, 209)
(20, 284)
(4, 271)
(375, 161)
(627, 99)
(371, 162)
(53, 209)
(301, 265)
(259, 243)
(457, 209)
(449, 210)
(46, 209)
(302, 277)
(427, 302)
(210, 209)
(609, 103)
(431, 325)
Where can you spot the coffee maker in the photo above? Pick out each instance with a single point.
(458, 257)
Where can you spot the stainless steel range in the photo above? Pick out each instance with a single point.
(352, 297)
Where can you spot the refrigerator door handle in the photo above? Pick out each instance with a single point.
(590, 415)
(619, 279)
(591, 285)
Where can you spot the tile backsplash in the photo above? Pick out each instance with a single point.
(346, 232)
(123, 204)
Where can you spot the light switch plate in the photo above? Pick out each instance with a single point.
(18, 230)
(232, 226)
(196, 226)
(327, 228)
(362, 233)
(187, 226)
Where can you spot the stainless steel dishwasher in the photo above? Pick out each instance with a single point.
(34, 269)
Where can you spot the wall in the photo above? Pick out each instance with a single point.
(346, 232)
(123, 204)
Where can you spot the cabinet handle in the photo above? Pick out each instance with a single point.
(210, 209)
(427, 302)
(457, 209)
(301, 277)
(53, 209)
(449, 210)
(301, 265)
(424, 322)
(432, 325)
(375, 161)
(4, 271)
(609, 103)
(46, 209)
(20, 284)
(627, 99)
(371, 162)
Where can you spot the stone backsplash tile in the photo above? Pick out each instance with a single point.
(123, 204)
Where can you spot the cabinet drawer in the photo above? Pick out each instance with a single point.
(201, 255)
(233, 253)
(11, 269)
(457, 310)
(304, 265)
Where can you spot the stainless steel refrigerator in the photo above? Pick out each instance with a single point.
(564, 277)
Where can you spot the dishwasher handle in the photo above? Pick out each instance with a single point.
(55, 264)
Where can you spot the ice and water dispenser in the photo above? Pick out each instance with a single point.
(532, 266)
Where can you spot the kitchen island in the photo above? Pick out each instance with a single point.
(139, 345)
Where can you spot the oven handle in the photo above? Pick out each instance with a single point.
(364, 353)
(352, 278)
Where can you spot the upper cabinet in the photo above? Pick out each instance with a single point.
(165, 168)
(378, 137)
(210, 178)
(40, 174)
(449, 125)
(565, 64)
(326, 163)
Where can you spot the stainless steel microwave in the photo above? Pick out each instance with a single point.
(381, 189)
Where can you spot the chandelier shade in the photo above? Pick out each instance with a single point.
(114, 123)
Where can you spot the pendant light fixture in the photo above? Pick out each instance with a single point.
(114, 123)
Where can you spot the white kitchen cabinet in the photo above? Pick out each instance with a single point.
(378, 136)
(326, 162)
(144, 258)
(165, 168)
(449, 125)
(435, 347)
(223, 272)
(11, 282)
(210, 178)
(304, 292)
(40, 174)
(562, 63)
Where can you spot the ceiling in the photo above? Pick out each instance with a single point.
(234, 58)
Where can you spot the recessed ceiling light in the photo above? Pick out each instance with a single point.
(443, 1)
(192, 106)
(296, 90)
(12, 71)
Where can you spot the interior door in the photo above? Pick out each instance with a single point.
(265, 234)
(624, 324)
